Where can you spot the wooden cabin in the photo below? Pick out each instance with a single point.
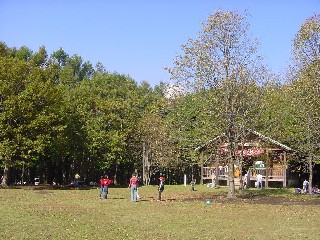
(257, 154)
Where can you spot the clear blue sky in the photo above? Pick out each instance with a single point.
(140, 37)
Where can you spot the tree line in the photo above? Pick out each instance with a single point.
(60, 115)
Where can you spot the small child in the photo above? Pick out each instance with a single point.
(160, 187)
(193, 183)
(305, 186)
(315, 190)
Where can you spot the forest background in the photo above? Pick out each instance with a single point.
(59, 115)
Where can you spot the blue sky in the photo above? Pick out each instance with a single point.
(140, 37)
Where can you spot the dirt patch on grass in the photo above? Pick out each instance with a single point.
(280, 200)
(48, 187)
(257, 199)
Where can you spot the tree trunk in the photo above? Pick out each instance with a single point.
(241, 162)
(310, 173)
(115, 175)
(146, 164)
(310, 158)
(5, 177)
(22, 174)
(284, 162)
(231, 186)
(231, 162)
(267, 166)
(233, 147)
(241, 178)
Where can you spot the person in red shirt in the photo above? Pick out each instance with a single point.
(133, 185)
(106, 183)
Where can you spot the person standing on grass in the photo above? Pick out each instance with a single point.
(193, 183)
(106, 183)
(305, 186)
(259, 180)
(77, 181)
(213, 178)
(133, 185)
(139, 184)
(245, 181)
(101, 181)
(160, 187)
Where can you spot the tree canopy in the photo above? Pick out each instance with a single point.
(61, 115)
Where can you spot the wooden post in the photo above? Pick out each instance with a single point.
(201, 158)
(216, 171)
(284, 170)
(267, 177)
(249, 178)
(267, 168)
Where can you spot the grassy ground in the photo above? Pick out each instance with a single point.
(31, 213)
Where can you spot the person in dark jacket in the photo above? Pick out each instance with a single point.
(160, 187)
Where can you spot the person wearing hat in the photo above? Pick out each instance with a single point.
(160, 187)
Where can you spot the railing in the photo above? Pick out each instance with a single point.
(273, 174)
(222, 173)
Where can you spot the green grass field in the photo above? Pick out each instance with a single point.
(32, 213)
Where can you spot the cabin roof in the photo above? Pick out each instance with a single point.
(259, 135)
(264, 137)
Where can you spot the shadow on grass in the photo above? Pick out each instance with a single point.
(49, 187)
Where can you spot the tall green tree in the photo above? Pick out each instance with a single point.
(223, 60)
(28, 112)
(306, 91)
(40, 58)
(108, 108)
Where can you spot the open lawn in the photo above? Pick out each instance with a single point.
(46, 213)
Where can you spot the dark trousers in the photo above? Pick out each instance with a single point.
(159, 196)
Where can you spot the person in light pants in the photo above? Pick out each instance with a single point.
(133, 185)
(259, 180)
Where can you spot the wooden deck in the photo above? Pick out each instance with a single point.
(274, 175)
